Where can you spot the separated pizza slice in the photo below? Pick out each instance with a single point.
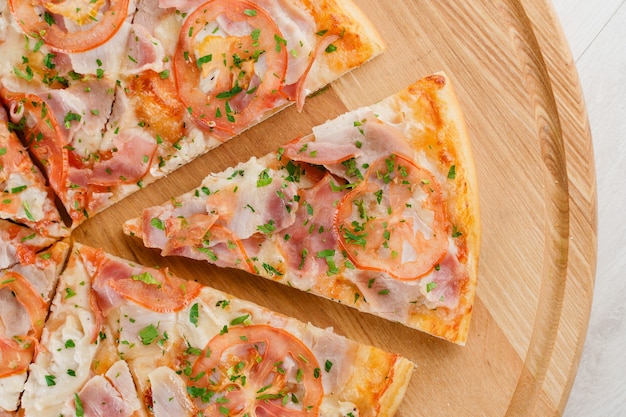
(26, 291)
(130, 340)
(112, 95)
(26, 199)
(377, 209)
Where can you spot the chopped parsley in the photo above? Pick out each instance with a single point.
(50, 380)
(193, 314)
(452, 172)
(147, 278)
(148, 334)
(239, 320)
(267, 228)
(157, 223)
(80, 411)
(264, 178)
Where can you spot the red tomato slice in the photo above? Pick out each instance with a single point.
(394, 221)
(258, 370)
(217, 76)
(15, 356)
(17, 351)
(26, 294)
(44, 19)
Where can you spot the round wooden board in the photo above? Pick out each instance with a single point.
(518, 86)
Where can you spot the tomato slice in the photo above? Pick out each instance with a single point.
(394, 221)
(97, 21)
(28, 296)
(257, 370)
(229, 74)
(17, 351)
(16, 356)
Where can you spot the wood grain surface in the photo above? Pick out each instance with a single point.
(517, 84)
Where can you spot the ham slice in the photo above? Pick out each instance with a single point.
(145, 52)
(115, 279)
(169, 394)
(111, 394)
(312, 233)
(134, 150)
(354, 135)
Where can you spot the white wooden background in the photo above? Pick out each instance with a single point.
(596, 32)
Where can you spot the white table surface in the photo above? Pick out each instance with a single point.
(596, 32)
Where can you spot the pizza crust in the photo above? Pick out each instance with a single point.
(464, 207)
(360, 40)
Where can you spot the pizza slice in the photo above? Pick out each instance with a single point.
(127, 340)
(110, 95)
(26, 199)
(377, 209)
(26, 290)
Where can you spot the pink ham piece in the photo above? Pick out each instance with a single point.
(113, 394)
(169, 394)
(144, 52)
(365, 138)
(98, 398)
(130, 161)
(312, 232)
(380, 292)
(82, 109)
(443, 287)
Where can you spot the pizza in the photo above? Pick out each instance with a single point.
(127, 340)
(376, 209)
(26, 290)
(108, 95)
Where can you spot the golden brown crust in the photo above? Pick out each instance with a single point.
(359, 40)
(393, 395)
(378, 384)
(433, 100)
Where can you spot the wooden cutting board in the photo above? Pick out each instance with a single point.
(518, 86)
